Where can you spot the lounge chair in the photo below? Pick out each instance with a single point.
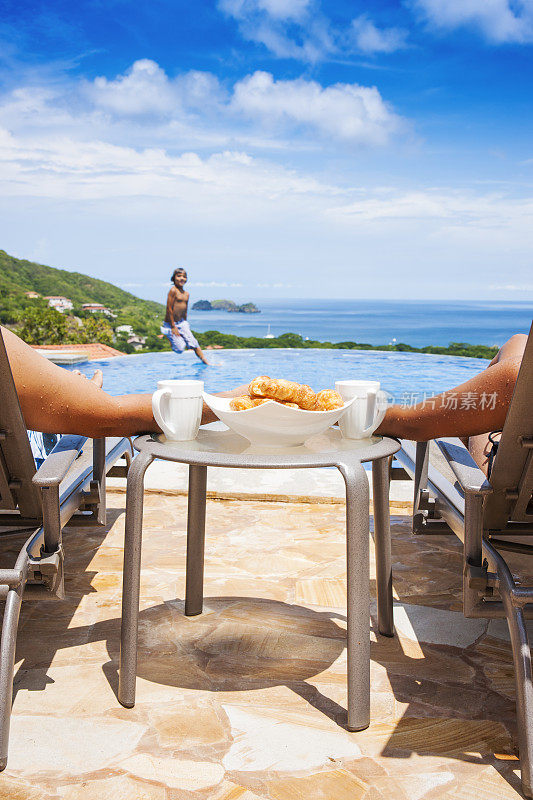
(41, 502)
(489, 516)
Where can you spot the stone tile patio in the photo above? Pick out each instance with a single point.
(247, 701)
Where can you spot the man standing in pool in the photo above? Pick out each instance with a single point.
(175, 327)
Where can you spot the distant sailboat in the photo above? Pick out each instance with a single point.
(269, 335)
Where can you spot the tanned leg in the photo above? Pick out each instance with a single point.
(480, 446)
(54, 400)
(437, 417)
(199, 352)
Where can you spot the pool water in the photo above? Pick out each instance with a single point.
(404, 375)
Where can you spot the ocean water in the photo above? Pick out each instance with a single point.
(376, 322)
(407, 376)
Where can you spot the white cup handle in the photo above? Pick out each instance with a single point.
(378, 419)
(156, 409)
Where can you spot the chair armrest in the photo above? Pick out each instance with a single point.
(470, 477)
(58, 463)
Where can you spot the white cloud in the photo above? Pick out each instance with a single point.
(300, 36)
(278, 9)
(200, 91)
(268, 22)
(72, 169)
(298, 29)
(511, 287)
(144, 88)
(234, 184)
(500, 21)
(275, 285)
(145, 108)
(31, 166)
(314, 46)
(349, 112)
(211, 284)
(465, 209)
(369, 39)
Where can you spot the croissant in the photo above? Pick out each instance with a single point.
(273, 388)
(306, 398)
(327, 400)
(283, 391)
(244, 402)
(286, 393)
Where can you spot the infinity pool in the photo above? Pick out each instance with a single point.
(402, 374)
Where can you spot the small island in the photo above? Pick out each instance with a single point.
(225, 305)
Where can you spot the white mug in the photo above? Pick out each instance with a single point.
(367, 410)
(177, 408)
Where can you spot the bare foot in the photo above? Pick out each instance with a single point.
(97, 378)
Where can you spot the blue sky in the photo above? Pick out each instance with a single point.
(274, 147)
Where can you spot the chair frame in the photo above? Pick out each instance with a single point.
(43, 501)
(487, 515)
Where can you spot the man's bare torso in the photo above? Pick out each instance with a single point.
(177, 302)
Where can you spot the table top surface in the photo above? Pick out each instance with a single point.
(218, 446)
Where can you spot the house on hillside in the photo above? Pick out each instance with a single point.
(138, 342)
(124, 329)
(32, 295)
(61, 304)
(97, 308)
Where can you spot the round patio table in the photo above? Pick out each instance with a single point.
(216, 446)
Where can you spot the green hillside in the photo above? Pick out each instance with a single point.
(37, 324)
(18, 276)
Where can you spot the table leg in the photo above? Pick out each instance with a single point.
(131, 579)
(358, 595)
(382, 540)
(194, 590)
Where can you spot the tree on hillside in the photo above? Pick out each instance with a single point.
(95, 329)
(44, 326)
(153, 342)
(48, 326)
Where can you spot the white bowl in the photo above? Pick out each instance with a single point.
(272, 424)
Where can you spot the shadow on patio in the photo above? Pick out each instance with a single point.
(248, 700)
